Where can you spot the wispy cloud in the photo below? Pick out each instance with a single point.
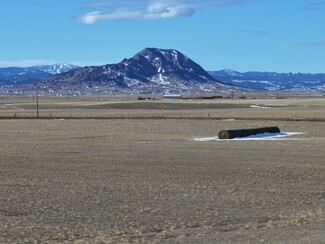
(256, 32)
(153, 11)
(148, 9)
(314, 6)
(315, 44)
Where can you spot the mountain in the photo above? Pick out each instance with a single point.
(56, 68)
(16, 76)
(300, 82)
(150, 71)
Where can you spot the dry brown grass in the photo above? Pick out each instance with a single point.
(118, 181)
(91, 107)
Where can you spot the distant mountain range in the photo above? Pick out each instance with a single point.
(17, 76)
(300, 82)
(152, 70)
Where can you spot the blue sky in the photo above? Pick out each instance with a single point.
(244, 35)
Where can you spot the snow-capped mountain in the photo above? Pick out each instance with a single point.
(56, 68)
(150, 71)
(15, 75)
(301, 82)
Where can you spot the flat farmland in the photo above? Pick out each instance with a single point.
(122, 180)
(128, 108)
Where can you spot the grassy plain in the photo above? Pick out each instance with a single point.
(135, 176)
(311, 108)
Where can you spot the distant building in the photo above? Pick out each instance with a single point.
(172, 96)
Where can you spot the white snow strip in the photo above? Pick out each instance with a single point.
(161, 78)
(264, 137)
(256, 106)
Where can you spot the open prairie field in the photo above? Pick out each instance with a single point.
(129, 107)
(130, 171)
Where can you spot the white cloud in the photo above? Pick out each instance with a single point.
(149, 10)
(152, 11)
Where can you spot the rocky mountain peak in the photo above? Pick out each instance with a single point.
(166, 61)
(152, 70)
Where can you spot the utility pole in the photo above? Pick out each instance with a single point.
(37, 113)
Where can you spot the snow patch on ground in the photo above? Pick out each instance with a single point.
(257, 106)
(264, 136)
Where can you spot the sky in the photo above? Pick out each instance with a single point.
(243, 35)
